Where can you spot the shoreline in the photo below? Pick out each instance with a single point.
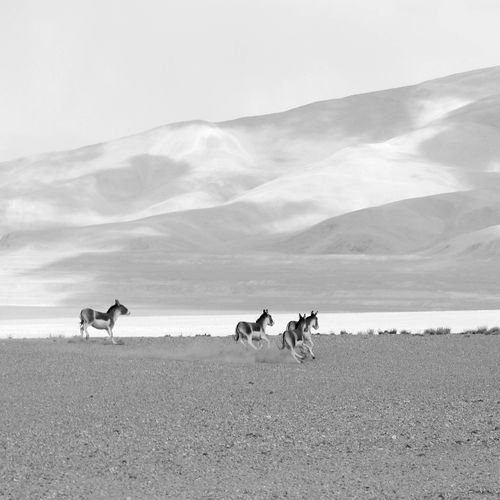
(216, 325)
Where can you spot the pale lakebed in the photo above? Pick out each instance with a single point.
(224, 324)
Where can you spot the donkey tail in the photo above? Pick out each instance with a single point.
(282, 346)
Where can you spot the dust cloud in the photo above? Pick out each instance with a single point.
(218, 349)
(228, 351)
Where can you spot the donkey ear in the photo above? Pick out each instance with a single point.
(117, 302)
(316, 313)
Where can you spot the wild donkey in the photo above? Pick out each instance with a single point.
(310, 322)
(257, 330)
(102, 321)
(293, 338)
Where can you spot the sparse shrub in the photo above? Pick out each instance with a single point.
(343, 332)
(387, 332)
(483, 330)
(404, 332)
(437, 331)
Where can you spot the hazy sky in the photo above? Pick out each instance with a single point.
(75, 72)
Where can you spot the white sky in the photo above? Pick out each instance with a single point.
(76, 72)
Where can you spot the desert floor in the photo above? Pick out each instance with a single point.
(372, 417)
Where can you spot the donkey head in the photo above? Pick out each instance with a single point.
(121, 308)
(301, 324)
(267, 317)
(314, 319)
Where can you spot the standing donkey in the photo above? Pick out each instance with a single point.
(310, 322)
(102, 321)
(257, 330)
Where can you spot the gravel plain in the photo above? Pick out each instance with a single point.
(393, 416)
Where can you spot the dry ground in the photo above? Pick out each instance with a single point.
(371, 417)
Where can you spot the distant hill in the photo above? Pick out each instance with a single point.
(418, 225)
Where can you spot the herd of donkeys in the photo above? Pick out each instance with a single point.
(296, 337)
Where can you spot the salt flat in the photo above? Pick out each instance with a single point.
(224, 324)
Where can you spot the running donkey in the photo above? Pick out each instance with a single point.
(297, 336)
(293, 339)
(310, 322)
(257, 330)
(102, 321)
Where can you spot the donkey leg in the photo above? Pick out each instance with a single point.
(288, 340)
(306, 348)
(308, 343)
(310, 351)
(251, 344)
(265, 337)
(110, 333)
(296, 356)
(299, 350)
(85, 326)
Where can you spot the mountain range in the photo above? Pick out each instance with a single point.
(381, 201)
